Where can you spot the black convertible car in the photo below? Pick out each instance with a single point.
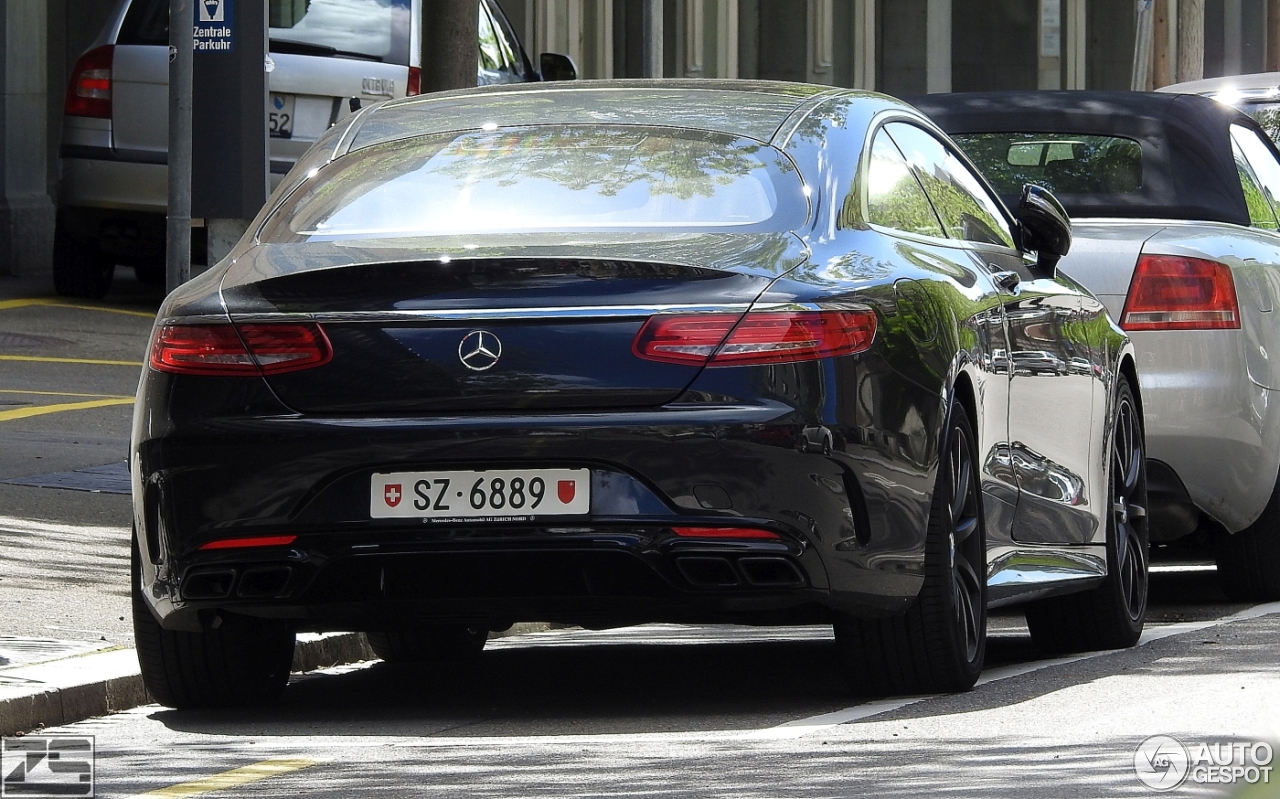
(561, 353)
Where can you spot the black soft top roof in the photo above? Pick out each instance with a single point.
(1188, 171)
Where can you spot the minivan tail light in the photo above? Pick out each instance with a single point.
(414, 86)
(89, 92)
(1170, 292)
(722, 339)
(221, 349)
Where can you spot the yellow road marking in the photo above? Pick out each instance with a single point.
(230, 779)
(40, 410)
(44, 359)
(59, 393)
(6, 305)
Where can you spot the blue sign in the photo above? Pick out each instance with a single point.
(213, 26)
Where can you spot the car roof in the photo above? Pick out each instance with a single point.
(753, 109)
(1256, 82)
(1188, 170)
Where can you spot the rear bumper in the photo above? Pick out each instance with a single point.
(116, 184)
(1215, 427)
(850, 522)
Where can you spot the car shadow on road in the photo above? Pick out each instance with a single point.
(549, 685)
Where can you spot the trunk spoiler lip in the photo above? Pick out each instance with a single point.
(764, 255)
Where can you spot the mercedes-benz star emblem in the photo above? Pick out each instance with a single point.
(479, 350)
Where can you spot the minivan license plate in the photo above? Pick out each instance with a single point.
(499, 494)
(280, 116)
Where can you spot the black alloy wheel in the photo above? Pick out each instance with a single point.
(1112, 615)
(243, 661)
(939, 644)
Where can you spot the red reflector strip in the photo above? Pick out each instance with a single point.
(756, 338)
(1169, 292)
(725, 532)
(221, 350)
(245, 543)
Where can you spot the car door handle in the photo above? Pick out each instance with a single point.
(1008, 281)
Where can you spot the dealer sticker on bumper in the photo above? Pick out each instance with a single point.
(493, 494)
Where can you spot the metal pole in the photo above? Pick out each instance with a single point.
(652, 38)
(178, 236)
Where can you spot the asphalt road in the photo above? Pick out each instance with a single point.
(68, 372)
(656, 711)
(667, 711)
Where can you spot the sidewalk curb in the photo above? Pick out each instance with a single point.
(77, 688)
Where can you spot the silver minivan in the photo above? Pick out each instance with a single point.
(114, 183)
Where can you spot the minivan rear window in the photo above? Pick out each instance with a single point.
(1063, 163)
(377, 30)
(546, 178)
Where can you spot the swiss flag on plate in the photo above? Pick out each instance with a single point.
(391, 494)
(566, 490)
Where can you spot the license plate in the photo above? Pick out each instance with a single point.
(500, 494)
(280, 116)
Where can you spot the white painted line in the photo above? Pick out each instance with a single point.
(1182, 568)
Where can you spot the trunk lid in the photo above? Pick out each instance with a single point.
(491, 333)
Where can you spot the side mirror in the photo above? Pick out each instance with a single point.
(1046, 227)
(556, 66)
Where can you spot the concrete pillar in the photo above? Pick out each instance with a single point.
(938, 46)
(726, 38)
(1232, 37)
(26, 212)
(793, 46)
(821, 44)
(864, 43)
(557, 28)
(1049, 46)
(1075, 45)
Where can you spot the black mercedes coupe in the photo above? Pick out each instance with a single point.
(622, 352)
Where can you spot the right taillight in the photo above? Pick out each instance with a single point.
(414, 86)
(89, 92)
(1170, 292)
(251, 350)
(762, 337)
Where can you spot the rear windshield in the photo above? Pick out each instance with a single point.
(377, 30)
(1061, 162)
(373, 29)
(537, 179)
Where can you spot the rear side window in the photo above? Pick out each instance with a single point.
(1266, 171)
(1267, 115)
(967, 211)
(1063, 163)
(146, 23)
(894, 197)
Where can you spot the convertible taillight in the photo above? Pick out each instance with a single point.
(1169, 292)
(247, 350)
(720, 339)
(89, 93)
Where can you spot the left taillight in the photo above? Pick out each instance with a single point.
(414, 86)
(248, 350)
(89, 92)
(757, 338)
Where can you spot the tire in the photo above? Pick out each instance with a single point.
(1249, 561)
(150, 274)
(79, 268)
(940, 643)
(450, 643)
(1112, 615)
(245, 661)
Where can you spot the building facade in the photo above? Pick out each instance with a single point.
(900, 47)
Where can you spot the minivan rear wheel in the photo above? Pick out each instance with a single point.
(80, 269)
